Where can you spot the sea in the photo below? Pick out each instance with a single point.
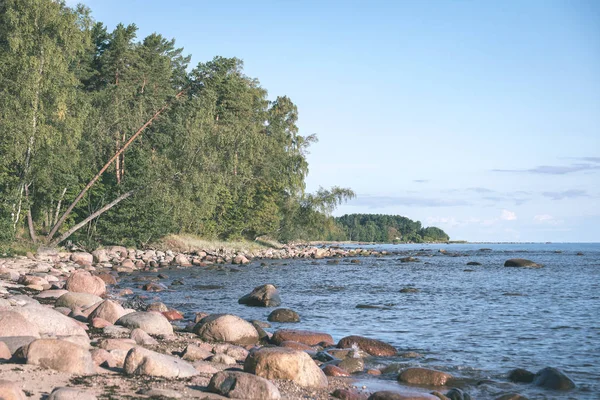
(476, 322)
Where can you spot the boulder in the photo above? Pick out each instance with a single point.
(108, 310)
(310, 338)
(553, 378)
(50, 322)
(520, 375)
(195, 353)
(283, 315)
(521, 262)
(226, 328)
(14, 324)
(262, 296)
(101, 256)
(295, 345)
(67, 393)
(284, 363)
(108, 279)
(349, 394)
(74, 300)
(82, 258)
(142, 338)
(152, 323)
(140, 361)
(371, 346)
(182, 260)
(388, 395)
(5, 353)
(241, 385)
(352, 365)
(240, 259)
(424, 376)
(15, 342)
(332, 370)
(11, 391)
(84, 282)
(60, 355)
(237, 352)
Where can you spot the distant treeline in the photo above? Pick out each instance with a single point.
(107, 138)
(384, 229)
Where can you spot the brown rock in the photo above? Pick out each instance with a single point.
(371, 346)
(283, 315)
(100, 323)
(11, 391)
(82, 258)
(424, 376)
(240, 385)
(195, 353)
(108, 279)
(332, 370)
(349, 394)
(238, 353)
(60, 355)
(282, 363)
(108, 310)
(102, 357)
(142, 338)
(84, 282)
(310, 338)
(117, 344)
(290, 344)
(173, 315)
(226, 328)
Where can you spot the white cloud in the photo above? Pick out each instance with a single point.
(546, 219)
(508, 215)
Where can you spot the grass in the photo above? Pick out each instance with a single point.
(189, 243)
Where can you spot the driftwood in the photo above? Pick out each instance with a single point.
(104, 168)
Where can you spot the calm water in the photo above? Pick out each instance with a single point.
(475, 324)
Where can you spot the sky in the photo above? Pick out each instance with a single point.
(479, 117)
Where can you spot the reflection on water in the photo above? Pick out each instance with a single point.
(477, 324)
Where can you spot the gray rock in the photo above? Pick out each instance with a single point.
(152, 323)
(283, 315)
(553, 378)
(262, 296)
(140, 361)
(73, 300)
(241, 385)
(521, 262)
(226, 328)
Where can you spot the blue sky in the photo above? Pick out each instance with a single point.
(480, 117)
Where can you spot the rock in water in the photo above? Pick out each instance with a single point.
(140, 361)
(424, 376)
(60, 355)
(262, 296)
(241, 385)
(388, 395)
(553, 378)
(283, 315)
(153, 323)
(84, 282)
(371, 346)
(284, 363)
(521, 262)
(226, 328)
(309, 338)
(520, 375)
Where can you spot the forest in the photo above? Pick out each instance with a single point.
(110, 138)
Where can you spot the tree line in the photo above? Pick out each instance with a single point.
(384, 229)
(105, 138)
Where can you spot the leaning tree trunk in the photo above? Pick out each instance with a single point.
(92, 216)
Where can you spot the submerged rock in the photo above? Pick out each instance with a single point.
(262, 296)
(553, 378)
(521, 262)
(424, 376)
(371, 346)
(283, 315)
(520, 375)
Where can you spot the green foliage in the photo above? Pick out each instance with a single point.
(384, 229)
(221, 162)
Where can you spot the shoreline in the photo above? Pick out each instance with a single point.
(50, 276)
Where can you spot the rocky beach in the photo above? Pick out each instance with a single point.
(69, 329)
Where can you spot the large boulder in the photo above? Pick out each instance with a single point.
(84, 282)
(108, 310)
(240, 385)
(262, 296)
(310, 338)
(101, 256)
(67, 393)
(283, 315)
(371, 346)
(51, 322)
(226, 328)
(140, 361)
(521, 262)
(74, 300)
(60, 355)
(553, 378)
(82, 258)
(11, 391)
(284, 363)
(153, 323)
(424, 376)
(14, 324)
